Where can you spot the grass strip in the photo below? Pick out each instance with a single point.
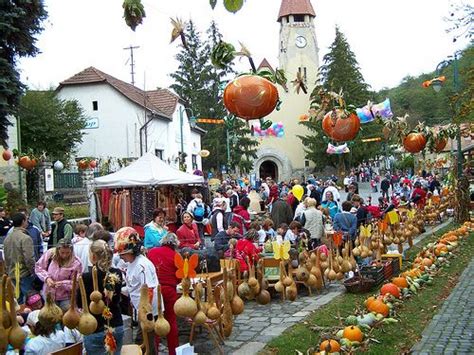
(414, 315)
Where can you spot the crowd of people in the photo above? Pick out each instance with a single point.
(235, 220)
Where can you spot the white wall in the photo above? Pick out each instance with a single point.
(119, 121)
(119, 124)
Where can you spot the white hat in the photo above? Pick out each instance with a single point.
(33, 318)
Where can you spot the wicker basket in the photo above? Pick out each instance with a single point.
(374, 273)
(359, 284)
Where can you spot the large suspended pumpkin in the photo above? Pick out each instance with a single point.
(414, 142)
(341, 127)
(440, 144)
(250, 97)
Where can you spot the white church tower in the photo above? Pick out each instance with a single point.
(283, 157)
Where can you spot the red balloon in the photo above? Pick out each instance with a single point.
(339, 127)
(250, 97)
(93, 164)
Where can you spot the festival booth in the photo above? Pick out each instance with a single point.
(129, 196)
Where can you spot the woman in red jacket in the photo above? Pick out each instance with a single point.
(163, 259)
(242, 215)
(245, 248)
(188, 234)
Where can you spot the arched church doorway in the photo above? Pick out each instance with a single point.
(269, 168)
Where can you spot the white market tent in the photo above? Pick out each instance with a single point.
(148, 170)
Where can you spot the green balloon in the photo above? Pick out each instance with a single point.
(233, 5)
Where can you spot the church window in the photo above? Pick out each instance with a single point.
(298, 18)
(306, 163)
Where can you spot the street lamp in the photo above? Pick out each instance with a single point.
(437, 84)
(192, 122)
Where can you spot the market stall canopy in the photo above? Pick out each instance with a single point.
(148, 170)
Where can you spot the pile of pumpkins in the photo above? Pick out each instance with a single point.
(379, 307)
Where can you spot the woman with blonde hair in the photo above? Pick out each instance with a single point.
(110, 283)
(56, 269)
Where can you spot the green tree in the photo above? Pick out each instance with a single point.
(20, 22)
(50, 126)
(200, 85)
(340, 72)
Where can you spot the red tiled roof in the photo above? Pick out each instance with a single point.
(160, 100)
(265, 64)
(296, 7)
(164, 99)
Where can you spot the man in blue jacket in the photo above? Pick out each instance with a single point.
(346, 222)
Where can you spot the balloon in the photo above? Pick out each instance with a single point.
(280, 124)
(298, 191)
(281, 134)
(340, 149)
(369, 112)
(204, 153)
(58, 166)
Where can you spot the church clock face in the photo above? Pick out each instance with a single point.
(300, 42)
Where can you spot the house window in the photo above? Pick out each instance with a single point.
(95, 106)
(194, 161)
(298, 18)
(159, 153)
(306, 163)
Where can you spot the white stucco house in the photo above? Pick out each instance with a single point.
(127, 122)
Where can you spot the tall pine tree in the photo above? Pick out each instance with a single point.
(340, 72)
(201, 86)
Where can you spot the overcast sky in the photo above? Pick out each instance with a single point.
(390, 38)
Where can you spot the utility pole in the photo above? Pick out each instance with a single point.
(132, 62)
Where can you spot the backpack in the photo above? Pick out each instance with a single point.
(199, 212)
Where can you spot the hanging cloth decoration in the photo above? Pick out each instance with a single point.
(340, 149)
(371, 111)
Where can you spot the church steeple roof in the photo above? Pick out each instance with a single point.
(295, 7)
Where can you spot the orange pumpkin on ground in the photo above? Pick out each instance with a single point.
(353, 333)
(400, 282)
(391, 289)
(440, 248)
(427, 262)
(250, 97)
(339, 127)
(378, 306)
(330, 346)
(414, 142)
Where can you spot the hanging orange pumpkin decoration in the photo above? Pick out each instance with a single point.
(25, 162)
(250, 97)
(414, 142)
(7, 155)
(82, 164)
(340, 126)
(440, 144)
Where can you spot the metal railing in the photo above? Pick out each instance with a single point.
(69, 180)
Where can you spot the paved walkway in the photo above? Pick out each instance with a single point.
(452, 330)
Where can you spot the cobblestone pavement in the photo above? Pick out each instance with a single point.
(258, 324)
(452, 330)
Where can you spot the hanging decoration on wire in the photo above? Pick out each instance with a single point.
(275, 130)
(340, 149)
(371, 111)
